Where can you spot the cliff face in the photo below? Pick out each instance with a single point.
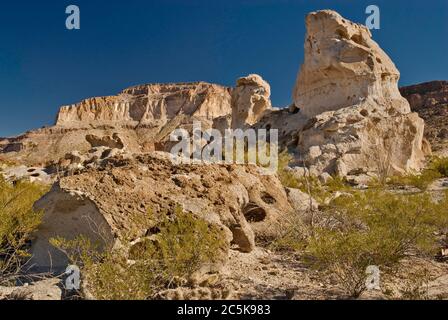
(430, 100)
(152, 104)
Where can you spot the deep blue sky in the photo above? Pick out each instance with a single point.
(123, 43)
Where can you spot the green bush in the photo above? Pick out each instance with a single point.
(364, 228)
(182, 246)
(439, 165)
(379, 229)
(18, 220)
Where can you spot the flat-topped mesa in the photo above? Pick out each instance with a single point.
(152, 104)
(343, 66)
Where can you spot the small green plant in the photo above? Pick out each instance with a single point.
(420, 181)
(18, 220)
(181, 247)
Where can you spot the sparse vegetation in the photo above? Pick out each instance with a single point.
(437, 168)
(182, 245)
(372, 227)
(383, 228)
(18, 220)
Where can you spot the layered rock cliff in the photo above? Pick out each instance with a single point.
(152, 104)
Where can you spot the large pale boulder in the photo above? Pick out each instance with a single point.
(250, 100)
(347, 89)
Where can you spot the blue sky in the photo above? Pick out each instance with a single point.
(122, 43)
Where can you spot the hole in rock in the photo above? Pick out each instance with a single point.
(267, 198)
(364, 113)
(254, 213)
(357, 39)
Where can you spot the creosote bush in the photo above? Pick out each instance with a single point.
(383, 228)
(182, 245)
(18, 220)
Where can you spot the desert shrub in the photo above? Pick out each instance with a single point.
(416, 285)
(439, 165)
(286, 177)
(381, 229)
(369, 228)
(309, 183)
(181, 247)
(18, 220)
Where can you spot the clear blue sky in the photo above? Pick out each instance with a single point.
(123, 43)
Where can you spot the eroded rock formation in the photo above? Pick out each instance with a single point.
(343, 67)
(357, 119)
(152, 104)
(250, 100)
(106, 201)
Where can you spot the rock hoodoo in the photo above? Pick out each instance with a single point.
(343, 67)
(250, 100)
(347, 90)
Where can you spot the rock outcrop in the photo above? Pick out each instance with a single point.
(250, 100)
(430, 101)
(152, 104)
(426, 95)
(343, 67)
(348, 90)
(107, 201)
(140, 118)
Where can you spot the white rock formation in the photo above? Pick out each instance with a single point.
(250, 100)
(357, 120)
(343, 67)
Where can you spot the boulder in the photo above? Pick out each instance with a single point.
(106, 202)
